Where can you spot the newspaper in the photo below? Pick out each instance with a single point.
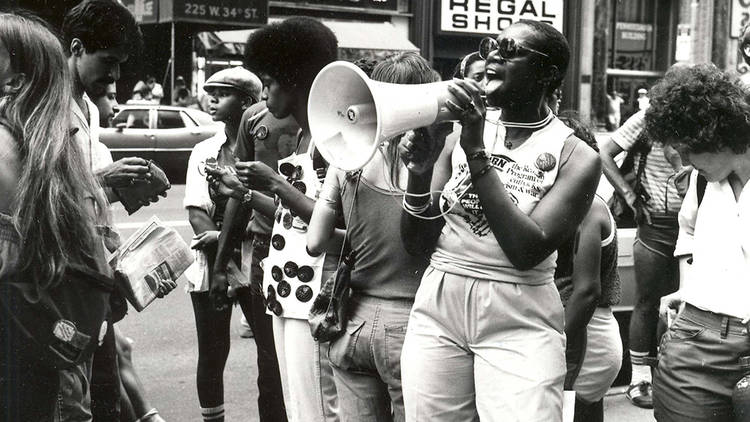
(152, 255)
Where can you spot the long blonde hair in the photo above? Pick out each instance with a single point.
(50, 212)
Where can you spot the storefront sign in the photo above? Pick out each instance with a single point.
(740, 17)
(361, 4)
(634, 46)
(492, 16)
(145, 11)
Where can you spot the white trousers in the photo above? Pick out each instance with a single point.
(482, 349)
(306, 375)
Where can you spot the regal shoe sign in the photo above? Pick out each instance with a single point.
(492, 16)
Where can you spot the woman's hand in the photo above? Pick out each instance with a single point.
(468, 105)
(420, 148)
(201, 240)
(256, 175)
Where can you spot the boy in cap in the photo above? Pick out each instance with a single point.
(231, 91)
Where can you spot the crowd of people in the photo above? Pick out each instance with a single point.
(483, 264)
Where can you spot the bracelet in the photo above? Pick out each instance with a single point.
(482, 172)
(478, 155)
(416, 209)
(148, 415)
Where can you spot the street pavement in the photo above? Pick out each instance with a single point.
(165, 347)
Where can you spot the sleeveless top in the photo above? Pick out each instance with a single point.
(467, 245)
(611, 290)
(382, 266)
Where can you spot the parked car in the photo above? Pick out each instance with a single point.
(163, 134)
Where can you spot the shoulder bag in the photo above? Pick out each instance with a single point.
(328, 314)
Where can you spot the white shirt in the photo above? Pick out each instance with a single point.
(96, 153)
(718, 236)
(196, 195)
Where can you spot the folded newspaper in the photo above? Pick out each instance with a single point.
(153, 254)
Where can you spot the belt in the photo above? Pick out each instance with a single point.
(723, 323)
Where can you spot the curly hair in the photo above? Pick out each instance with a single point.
(292, 52)
(701, 109)
(102, 24)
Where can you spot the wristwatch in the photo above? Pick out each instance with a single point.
(247, 198)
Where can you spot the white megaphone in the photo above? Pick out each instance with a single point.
(350, 114)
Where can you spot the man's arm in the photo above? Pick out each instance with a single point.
(608, 150)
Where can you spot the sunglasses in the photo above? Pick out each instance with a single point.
(507, 48)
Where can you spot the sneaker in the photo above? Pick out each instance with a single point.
(640, 395)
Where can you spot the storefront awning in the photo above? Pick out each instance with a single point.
(356, 39)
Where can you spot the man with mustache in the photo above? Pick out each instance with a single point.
(99, 36)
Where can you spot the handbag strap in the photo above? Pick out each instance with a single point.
(349, 217)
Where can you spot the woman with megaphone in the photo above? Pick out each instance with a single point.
(366, 358)
(485, 338)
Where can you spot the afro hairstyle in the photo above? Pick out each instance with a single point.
(292, 51)
(699, 108)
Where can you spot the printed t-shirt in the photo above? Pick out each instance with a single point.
(467, 245)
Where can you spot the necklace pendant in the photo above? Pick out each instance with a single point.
(508, 144)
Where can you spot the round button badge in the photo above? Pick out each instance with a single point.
(276, 273)
(304, 293)
(284, 288)
(290, 269)
(305, 273)
(278, 242)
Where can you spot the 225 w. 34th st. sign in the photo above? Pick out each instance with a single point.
(492, 16)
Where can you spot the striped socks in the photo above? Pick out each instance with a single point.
(213, 414)
(641, 369)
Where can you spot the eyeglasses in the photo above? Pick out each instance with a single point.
(508, 48)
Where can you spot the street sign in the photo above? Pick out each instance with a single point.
(740, 17)
(220, 12)
(492, 16)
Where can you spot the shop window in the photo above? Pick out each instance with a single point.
(633, 34)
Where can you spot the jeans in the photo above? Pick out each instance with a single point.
(698, 367)
(366, 360)
(656, 275)
(483, 349)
